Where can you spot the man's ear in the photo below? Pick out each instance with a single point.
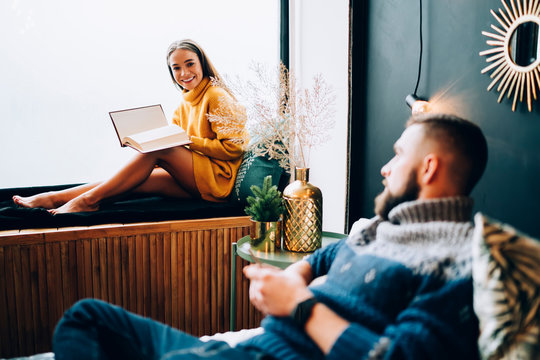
(429, 169)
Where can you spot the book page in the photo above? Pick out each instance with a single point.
(132, 121)
(156, 139)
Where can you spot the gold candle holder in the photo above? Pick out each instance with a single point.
(265, 236)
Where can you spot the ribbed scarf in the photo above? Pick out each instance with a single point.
(429, 236)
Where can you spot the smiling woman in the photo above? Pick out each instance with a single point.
(63, 71)
(186, 69)
(205, 168)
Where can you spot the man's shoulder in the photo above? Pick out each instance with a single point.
(359, 225)
(364, 230)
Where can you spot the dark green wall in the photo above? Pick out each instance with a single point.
(510, 188)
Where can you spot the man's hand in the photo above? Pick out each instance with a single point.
(274, 291)
(277, 292)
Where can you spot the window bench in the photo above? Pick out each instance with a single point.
(174, 271)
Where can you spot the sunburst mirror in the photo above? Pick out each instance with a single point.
(515, 52)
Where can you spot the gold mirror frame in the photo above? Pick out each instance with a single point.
(513, 78)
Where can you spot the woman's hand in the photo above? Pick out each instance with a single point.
(274, 291)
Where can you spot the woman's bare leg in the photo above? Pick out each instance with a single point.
(160, 182)
(52, 199)
(177, 161)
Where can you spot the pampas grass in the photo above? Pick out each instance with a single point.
(285, 122)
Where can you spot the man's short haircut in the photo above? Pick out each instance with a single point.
(463, 139)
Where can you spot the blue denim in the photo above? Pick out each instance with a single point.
(94, 329)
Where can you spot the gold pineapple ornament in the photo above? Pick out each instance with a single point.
(302, 220)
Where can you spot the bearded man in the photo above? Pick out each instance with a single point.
(399, 287)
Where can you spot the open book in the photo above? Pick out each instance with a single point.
(146, 129)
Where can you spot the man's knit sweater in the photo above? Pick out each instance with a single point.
(404, 285)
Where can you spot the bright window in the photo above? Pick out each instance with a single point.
(65, 64)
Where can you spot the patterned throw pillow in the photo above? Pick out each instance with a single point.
(506, 275)
(252, 171)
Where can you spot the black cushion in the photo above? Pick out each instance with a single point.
(129, 209)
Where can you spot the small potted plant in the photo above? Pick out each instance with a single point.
(265, 208)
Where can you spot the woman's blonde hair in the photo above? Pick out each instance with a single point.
(207, 67)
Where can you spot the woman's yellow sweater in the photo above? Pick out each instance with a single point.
(217, 151)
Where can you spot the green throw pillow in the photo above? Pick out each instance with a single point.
(506, 275)
(252, 171)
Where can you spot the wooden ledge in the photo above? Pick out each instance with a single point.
(33, 236)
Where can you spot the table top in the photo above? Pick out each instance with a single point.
(282, 258)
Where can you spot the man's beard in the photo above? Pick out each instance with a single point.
(385, 201)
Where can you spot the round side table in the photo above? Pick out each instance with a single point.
(280, 258)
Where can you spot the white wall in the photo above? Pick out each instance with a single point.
(320, 45)
(65, 64)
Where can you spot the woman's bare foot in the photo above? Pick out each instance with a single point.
(79, 204)
(47, 200)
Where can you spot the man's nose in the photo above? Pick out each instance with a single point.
(385, 170)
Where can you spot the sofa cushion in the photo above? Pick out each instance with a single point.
(506, 275)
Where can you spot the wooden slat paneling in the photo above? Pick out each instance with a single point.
(213, 280)
(87, 267)
(125, 271)
(173, 273)
(117, 272)
(5, 341)
(132, 283)
(34, 294)
(104, 273)
(194, 284)
(27, 330)
(207, 295)
(200, 283)
(167, 278)
(96, 269)
(44, 337)
(221, 285)
(174, 279)
(188, 289)
(225, 245)
(181, 286)
(70, 287)
(160, 296)
(145, 276)
(54, 284)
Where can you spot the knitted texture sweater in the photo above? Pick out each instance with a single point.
(217, 153)
(404, 285)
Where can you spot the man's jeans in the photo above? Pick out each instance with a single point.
(93, 329)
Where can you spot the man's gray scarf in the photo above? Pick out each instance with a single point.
(429, 236)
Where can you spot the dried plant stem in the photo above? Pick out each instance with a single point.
(285, 123)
